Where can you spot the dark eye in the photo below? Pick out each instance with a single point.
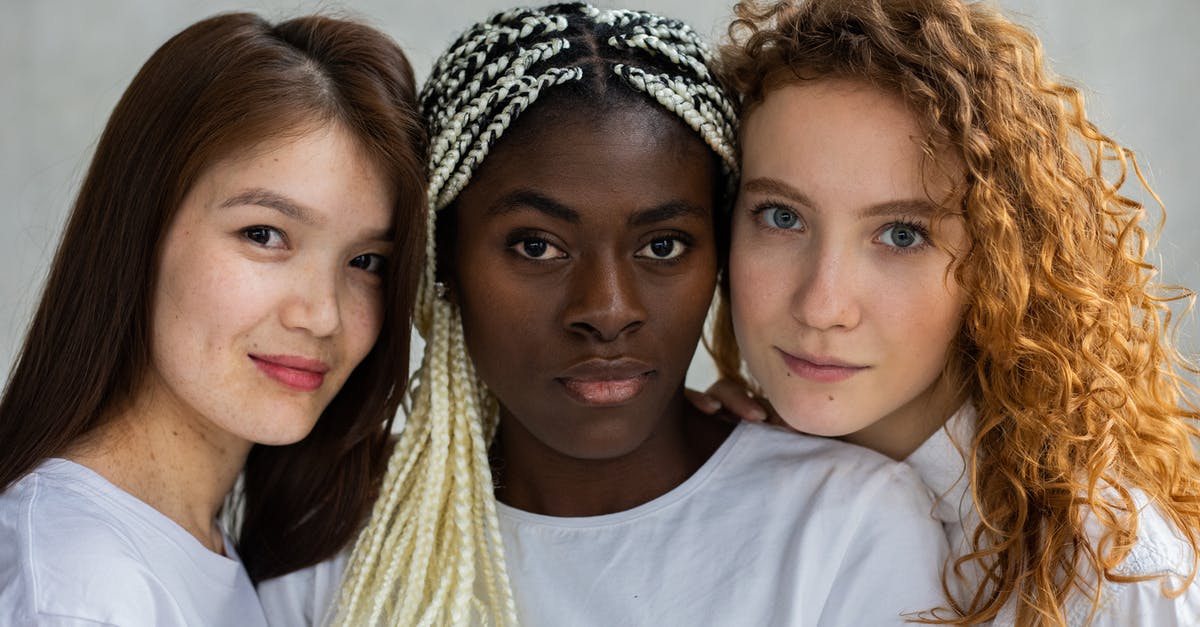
(264, 236)
(780, 218)
(372, 263)
(537, 248)
(902, 235)
(662, 248)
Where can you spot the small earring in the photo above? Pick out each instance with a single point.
(439, 289)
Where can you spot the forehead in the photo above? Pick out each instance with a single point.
(844, 136)
(639, 152)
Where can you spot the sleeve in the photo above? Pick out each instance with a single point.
(1141, 603)
(303, 598)
(892, 568)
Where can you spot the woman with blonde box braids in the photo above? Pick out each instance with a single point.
(551, 471)
(967, 289)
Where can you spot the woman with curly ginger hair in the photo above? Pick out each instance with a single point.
(964, 288)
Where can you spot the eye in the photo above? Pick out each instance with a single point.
(782, 218)
(265, 236)
(663, 249)
(372, 263)
(903, 235)
(538, 249)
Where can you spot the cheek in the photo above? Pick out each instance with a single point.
(760, 278)
(363, 320)
(920, 312)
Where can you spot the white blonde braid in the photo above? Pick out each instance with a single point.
(431, 553)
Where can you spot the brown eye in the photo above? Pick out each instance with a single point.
(663, 249)
(372, 263)
(265, 236)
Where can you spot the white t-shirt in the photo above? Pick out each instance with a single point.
(77, 550)
(774, 529)
(1160, 548)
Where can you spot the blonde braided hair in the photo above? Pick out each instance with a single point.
(431, 553)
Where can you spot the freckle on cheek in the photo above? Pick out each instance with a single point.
(831, 398)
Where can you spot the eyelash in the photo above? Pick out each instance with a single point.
(681, 239)
(919, 227)
(516, 240)
(524, 237)
(380, 261)
(246, 233)
(922, 230)
(760, 216)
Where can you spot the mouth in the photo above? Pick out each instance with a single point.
(605, 382)
(294, 372)
(820, 369)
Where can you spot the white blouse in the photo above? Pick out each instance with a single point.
(941, 463)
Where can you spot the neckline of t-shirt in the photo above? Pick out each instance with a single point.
(676, 495)
(72, 474)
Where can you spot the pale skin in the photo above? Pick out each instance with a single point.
(843, 306)
(268, 296)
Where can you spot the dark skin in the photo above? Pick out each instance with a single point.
(589, 261)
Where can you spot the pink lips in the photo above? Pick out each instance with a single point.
(820, 369)
(605, 382)
(298, 373)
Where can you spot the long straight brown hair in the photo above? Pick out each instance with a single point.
(220, 86)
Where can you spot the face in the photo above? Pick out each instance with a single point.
(270, 289)
(584, 264)
(843, 307)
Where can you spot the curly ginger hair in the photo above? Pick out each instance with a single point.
(1065, 347)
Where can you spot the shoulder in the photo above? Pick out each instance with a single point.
(303, 597)
(65, 557)
(787, 455)
(1160, 560)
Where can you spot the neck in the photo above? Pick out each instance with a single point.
(902, 432)
(171, 459)
(535, 478)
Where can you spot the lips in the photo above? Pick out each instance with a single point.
(605, 382)
(297, 373)
(820, 369)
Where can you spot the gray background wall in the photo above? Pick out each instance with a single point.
(64, 63)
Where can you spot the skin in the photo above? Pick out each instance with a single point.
(268, 296)
(588, 264)
(843, 307)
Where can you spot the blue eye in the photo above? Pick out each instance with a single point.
(265, 236)
(901, 235)
(372, 263)
(663, 249)
(781, 218)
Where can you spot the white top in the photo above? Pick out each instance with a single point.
(77, 550)
(773, 529)
(941, 463)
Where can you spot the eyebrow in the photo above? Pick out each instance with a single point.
(776, 187)
(664, 212)
(917, 206)
(272, 200)
(524, 198)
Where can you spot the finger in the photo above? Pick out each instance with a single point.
(737, 400)
(704, 402)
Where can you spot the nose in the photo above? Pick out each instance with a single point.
(825, 297)
(604, 299)
(314, 304)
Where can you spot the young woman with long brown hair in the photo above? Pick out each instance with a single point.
(231, 297)
(932, 256)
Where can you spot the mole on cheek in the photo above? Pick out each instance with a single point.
(831, 398)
